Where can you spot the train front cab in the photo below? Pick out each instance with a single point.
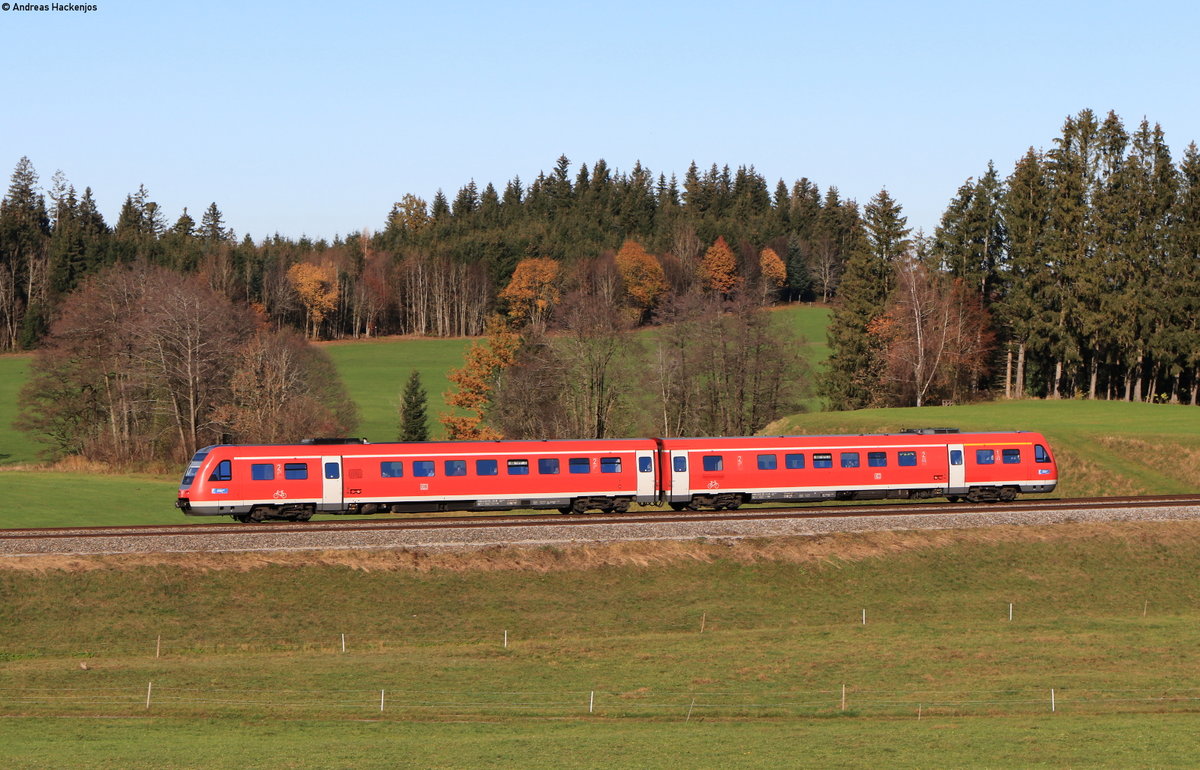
(256, 483)
(997, 468)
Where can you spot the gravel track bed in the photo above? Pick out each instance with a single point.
(541, 534)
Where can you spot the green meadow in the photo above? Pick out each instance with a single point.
(626, 656)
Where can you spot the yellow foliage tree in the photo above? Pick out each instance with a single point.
(317, 287)
(718, 268)
(533, 290)
(643, 276)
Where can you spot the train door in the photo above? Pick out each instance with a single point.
(331, 473)
(646, 493)
(680, 485)
(958, 470)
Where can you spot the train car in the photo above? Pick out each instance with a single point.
(717, 473)
(351, 476)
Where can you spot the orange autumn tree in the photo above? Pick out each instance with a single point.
(773, 271)
(718, 268)
(475, 382)
(533, 290)
(643, 276)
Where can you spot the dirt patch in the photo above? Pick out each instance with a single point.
(826, 550)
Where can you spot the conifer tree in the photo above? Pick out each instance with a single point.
(1024, 313)
(855, 367)
(414, 423)
(24, 273)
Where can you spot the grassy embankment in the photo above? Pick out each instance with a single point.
(754, 640)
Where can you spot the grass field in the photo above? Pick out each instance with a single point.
(707, 653)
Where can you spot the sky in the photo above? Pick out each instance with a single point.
(312, 119)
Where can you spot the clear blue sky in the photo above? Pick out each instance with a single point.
(313, 118)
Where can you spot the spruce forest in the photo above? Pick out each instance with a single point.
(1074, 274)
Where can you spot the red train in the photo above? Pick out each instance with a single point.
(351, 476)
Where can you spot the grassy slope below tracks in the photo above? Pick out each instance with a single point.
(252, 673)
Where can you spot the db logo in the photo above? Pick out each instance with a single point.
(280, 494)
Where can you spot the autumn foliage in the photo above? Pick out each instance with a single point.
(935, 335)
(475, 382)
(532, 292)
(643, 276)
(317, 287)
(718, 269)
(772, 269)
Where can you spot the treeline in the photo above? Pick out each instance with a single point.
(435, 268)
(1076, 276)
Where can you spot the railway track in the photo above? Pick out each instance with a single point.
(544, 529)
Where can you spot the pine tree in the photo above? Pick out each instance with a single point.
(1023, 312)
(1184, 270)
(414, 423)
(855, 367)
(24, 272)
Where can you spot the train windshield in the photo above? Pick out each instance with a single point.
(194, 466)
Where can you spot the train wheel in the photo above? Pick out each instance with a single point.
(679, 506)
(242, 517)
(953, 498)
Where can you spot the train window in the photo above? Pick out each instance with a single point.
(548, 465)
(851, 460)
(985, 456)
(487, 468)
(222, 472)
(579, 465)
(391, 469)
(679, 463)
(714, 463)
(645, 465)
(295, 471)
(518, 467)
(793, 462)
(455, 467)
(262, 472)
(877, 459)
(610, 464)
(424, 468)
(906, 459)
(822, 460)
(767, 462)
(1012, 456)
(333, 470)
(956, 457)
(1040, 454)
